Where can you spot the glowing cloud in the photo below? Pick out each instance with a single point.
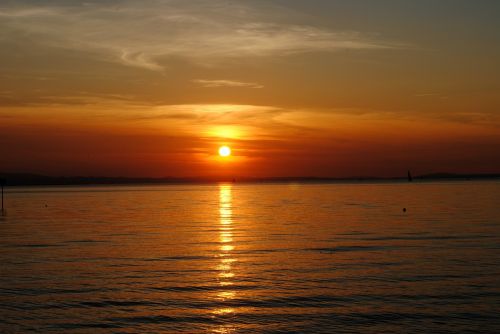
(226, 83)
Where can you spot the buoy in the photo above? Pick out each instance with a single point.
(404, 209)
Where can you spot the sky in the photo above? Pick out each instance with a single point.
(340, 88)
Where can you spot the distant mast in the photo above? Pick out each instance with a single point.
(410, 179)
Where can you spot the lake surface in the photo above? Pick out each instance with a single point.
(236, 258)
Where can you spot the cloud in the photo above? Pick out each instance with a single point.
(145, 33)
(226, 83)
(220, 113)
(9, 99)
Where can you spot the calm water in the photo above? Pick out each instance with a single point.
(320, 258)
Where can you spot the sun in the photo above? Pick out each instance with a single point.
(224, 151)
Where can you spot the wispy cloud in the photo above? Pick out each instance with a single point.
(144, 34)
(227, 83)
(220, 113)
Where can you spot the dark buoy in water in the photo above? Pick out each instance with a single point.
(404, 209)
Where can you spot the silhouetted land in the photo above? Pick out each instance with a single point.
(17, 179)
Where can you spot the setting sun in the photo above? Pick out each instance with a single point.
(224, 151)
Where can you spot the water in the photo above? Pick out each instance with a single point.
(318, 258)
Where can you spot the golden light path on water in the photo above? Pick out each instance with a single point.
(225, 264)
(253, 258)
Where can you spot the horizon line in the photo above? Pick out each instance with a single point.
(20, 179)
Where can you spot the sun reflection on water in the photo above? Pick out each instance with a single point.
(226, 274)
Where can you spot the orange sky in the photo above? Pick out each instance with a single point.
(296, 88)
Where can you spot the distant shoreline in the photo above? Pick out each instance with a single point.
(13, 179)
